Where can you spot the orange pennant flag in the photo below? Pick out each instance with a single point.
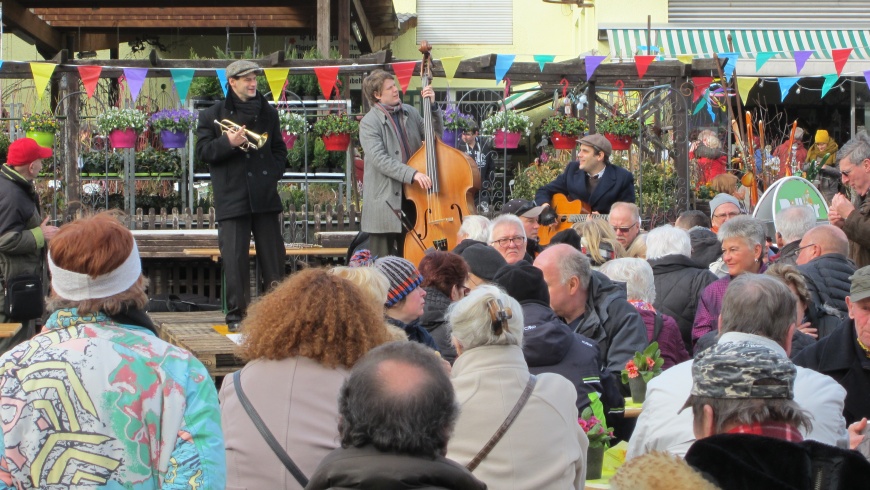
(326, 77)
(90, 75)
(404, 70)
(642, 62)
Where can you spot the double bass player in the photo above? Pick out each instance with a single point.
(390, 133)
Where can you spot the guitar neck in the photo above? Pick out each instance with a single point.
(580, 218)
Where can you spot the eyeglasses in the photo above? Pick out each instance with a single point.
(846, 172)
(504, 242)
(623, 229)
(798, 250)
(730, 215)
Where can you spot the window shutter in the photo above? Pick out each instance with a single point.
(465, 21)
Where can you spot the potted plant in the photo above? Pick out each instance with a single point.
(121, 125)
(563, 130)
(619, 130)
(455, 123)
(507, 128)
(599, 435)
(643, 367)
(336, 130)
(173, 124)
(40, 127)
(292, 125)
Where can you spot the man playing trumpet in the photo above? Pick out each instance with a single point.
(244, 180)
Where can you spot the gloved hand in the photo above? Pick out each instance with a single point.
(547, 216)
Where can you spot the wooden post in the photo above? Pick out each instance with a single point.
(590, 107)
(71, 128)
(681, 134)
(323, 19)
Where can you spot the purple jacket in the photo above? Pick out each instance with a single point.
(670, 341)
(710, 305)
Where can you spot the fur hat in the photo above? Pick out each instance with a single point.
(402, 275)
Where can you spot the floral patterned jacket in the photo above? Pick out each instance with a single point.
(95, 403)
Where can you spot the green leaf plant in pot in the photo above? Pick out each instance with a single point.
(619, 130)
(336, 130)
(563, 130)
(643, 367)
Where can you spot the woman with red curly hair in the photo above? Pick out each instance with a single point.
(444, 275)
(300, 341)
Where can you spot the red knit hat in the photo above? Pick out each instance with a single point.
(25, 151)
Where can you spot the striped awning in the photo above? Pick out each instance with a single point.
(625, 43)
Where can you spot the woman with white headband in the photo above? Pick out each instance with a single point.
(97, 398)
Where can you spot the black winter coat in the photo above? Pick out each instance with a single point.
(839, 356)
(828, 280)
(244, 183)
(706, 248)
(679, 282)
(434, 320)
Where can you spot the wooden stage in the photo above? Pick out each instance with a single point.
(195, 332)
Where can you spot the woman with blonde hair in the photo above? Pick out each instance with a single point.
(300, 341)
(598, 241)
(373, 283)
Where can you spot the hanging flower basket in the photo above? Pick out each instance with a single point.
(125, 138)
(172, 139)
(450, 137)
(619, 142)
(563, 142)
(506, 140)
(336, 141)
(43, 138)
(289, 138)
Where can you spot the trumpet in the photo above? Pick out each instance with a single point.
(254, 141)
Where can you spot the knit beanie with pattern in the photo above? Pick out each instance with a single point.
(401, 274)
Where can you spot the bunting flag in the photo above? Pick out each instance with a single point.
(800, 59)
(222, 78)
(326, 76)
(90, 75)
(744, 85)
(642, 63)
(699, 105)
(830, 80)
(785, 85)
(867, 77)
(763, 57)
(275, 77)
(450, 65)
(503, 63)
(41, 75)
(685, 58)
(730, 64)
(182, 77)
(711, 111)
(543, 59)
(404, 71)
(592, 63)
(135, 78)
(840, 56)
(701, 85)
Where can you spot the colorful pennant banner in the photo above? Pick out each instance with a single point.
(785, 85)
(592, 63)
(642, 63)
(800, 59)
(90, 75)
(840, 57)
(543, 59)
(744, 86)
(135, 78)
(763, 57)
(503, 63)
(182, 77)
(830, 80)
(701, 85)
(222, 77)
(41, 76)
(276, 78)
(730, 64)
(450, 65)
(326, 77)
(404, 71)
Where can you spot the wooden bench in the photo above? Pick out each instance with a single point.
(195, 332)
(8, 329)
(170, 270)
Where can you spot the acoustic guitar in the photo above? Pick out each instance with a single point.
(568, 212)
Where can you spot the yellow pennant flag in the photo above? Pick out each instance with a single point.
(276, 78)
(744, 85)
(450, 64)
(41, 75)
(685, 58)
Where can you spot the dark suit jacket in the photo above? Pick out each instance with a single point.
(616, 185)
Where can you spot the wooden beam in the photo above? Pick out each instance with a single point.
(189, 24)
(363, 24)
(344, 29)
(323, 24)
(48, 41)
(170, 13)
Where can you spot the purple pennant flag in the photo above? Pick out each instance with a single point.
(503, 63)
(222, 77)
(592, 63)
(867, 77)
(800, 59)
(785, 85)
(135, 78)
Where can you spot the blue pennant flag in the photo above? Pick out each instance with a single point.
(503, 63)
(182, 78)
(785, 85)
(730, 64)
(222, 77)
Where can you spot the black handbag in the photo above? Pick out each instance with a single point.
(24, 297)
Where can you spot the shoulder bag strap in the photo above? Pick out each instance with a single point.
(530, 386)
(660, 324)
(267, 435)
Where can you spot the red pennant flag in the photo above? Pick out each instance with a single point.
(404, 70)
(326, 77)
(90, 75)
(642, 62)
(701, 85)
(841, 56)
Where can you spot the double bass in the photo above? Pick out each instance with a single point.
(455, 178)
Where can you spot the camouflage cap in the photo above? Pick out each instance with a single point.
(860, 288)
(742, 370)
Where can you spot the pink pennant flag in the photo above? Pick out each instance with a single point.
(592, 63)
(326, 77)
(90, 75)
(404, 71)
(643, 62)
(840, 56)
(800, 59)
(135, 78)
(701, 85)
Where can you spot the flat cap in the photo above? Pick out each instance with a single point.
(241, 68)
(599, 142)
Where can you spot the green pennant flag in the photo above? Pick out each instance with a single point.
(763, 57)
(543, 59)
(830, 80)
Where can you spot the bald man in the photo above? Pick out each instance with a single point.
(823, 260)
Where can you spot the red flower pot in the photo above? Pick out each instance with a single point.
(618, 142)
(289, 139)
(506, 140)
(562, 142)
(336, 142)
(122, 138)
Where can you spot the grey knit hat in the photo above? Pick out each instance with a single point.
(721, 199)
(401, 274)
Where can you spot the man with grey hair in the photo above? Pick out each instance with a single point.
(823, 261)
(854, 217)
(592, 305)
(624, 217)
(745, 417)
(474, 229)
(679, 280)
(508, 236)
(791, 225)
(762, 310)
